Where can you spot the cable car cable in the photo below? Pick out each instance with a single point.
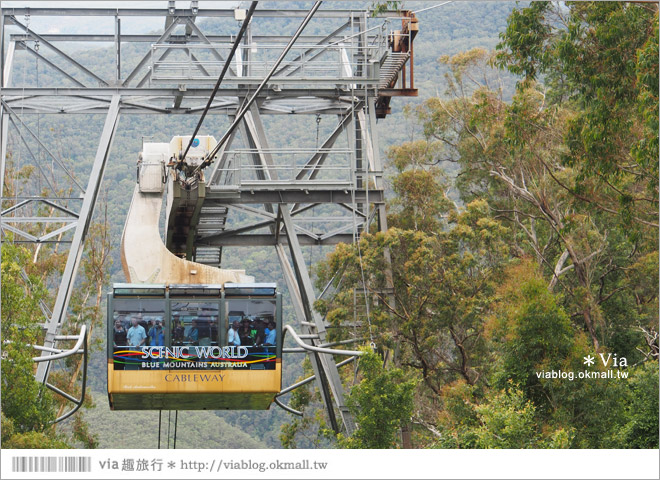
(160, 412)
(225, 67)
(239, 117)
(176, 420)
(431, 8)
(169, 422)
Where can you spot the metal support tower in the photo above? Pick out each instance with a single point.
(341, 73)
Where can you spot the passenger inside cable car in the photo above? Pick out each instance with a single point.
(248, 323)
(141, 321)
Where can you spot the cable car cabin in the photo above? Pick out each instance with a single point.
(194, 347)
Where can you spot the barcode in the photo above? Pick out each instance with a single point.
(51, 464)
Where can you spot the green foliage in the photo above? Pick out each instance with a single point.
(533, 335)
(310, 430)
(419, 186)
(536, 335)
(380, 7)
(381, 402)
(502, 418)
(443, 283)
(603, 56)
(640, 429)
(31, 439)
(25, 404)
(513, 154)
(526, 39)
(646, 150)
(507, 421)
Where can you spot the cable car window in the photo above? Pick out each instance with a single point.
(251, 324)
(127, 289)
(199, 290)
(194, 323)
(137, 324)
(239, 289)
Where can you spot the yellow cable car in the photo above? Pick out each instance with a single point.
(194, 347)
(184, 335)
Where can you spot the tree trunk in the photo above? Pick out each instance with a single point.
(406, 430)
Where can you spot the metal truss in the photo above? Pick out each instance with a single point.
(343, 70)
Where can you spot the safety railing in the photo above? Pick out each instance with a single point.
(372, 57)
(287, 167)
(80, 348)
(204, 62)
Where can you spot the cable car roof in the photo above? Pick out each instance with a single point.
(148, 289)
(250, 285)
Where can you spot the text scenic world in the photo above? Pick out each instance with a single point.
(199, 352)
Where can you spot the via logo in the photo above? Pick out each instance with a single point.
(195, 142)
(617, 362)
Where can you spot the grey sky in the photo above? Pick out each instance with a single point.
(103, 24)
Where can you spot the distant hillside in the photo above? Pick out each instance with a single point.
(446, 30)
(139, 429)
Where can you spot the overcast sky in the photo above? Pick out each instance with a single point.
(103, 24)
(120, 3)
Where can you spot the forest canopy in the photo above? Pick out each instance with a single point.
(523, 240)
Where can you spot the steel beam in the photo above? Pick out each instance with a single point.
(312, 167)
(266, 194)
(77, 245)
(294, 92)
(319, 44)
(225, 68)
(4, 129)
(34, 157)
(151, 38)
(58, 51)
(315, 91)
(260, 240)
(2, 48)
(162, 12)
(256, 211)
(52, 65)
(325, 368)
(308, 297)
(255, 137)
(203, 37)
(171, 8)
(377, 166)
(147, 76)
(136, 109)
(299, 309)
(9, 62)
(38, 140)
(147, 57)
(221, 163)
(41, 219)
(253, 97)
(253, 130)
(117, 40)
(299, 284)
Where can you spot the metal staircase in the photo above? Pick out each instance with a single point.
(391, 68)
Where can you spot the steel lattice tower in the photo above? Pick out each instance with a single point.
(344, 69)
